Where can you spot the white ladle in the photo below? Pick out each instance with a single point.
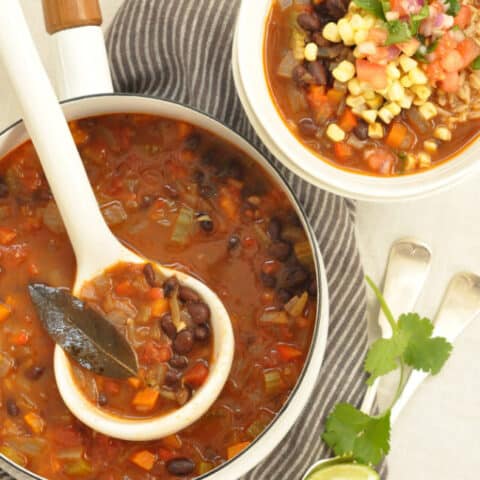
(461, 305)
(96, 248)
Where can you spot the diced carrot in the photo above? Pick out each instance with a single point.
(165, 454)
(348, 120)
(378, 36)
(125, 289)
(196, 376)
(464, 17)
(5, 311)
(135, 382)
(172, 441)
(35, 422)
(335, 96)
(343, 151)
(396, 135)
(7, 235)
(451, 82)
(155, 293)
(320, 103)
(160, 306)
(145, 399)
(452, 61)
(144, 459)
(20, 338)
(235, 449)
(372, 73)
(287, 352)
(469, 50)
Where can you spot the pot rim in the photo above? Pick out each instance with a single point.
(273, 433)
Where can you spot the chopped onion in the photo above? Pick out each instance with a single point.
(71, 453)
(287, 64)
(284, 4)
(274, 316)
(114, 213)
(52, 219)
(296, 305)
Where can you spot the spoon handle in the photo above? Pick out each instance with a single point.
(53, 142)
(460, 306)
(407, 269)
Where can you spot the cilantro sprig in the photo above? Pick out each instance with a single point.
(366, 438)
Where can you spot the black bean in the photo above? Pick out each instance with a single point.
(147, 200)
(170, 190)
(284, 295)
(199, 311)
(187, 294)
(318, 71)
(312, 288)
(361, 129)
(198, 176)
(102, 399)
(192, 142)
(280, 250)
(35, 372)
(320, 40)
(233, 242)
(201, 333)
(307, 127)
(337, 8)
(295, 277)
(301, 76)
(12, 408)
(180, 466)
(274, 229)
(168, 326)
(3, 188)
(268, 280)
(183, 342)
(207, 191)
(172, 378)
(179, 362)
(309, 21)
(183, 395)
(169, 286)
(149, 274)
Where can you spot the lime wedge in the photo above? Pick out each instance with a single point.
(346, 471)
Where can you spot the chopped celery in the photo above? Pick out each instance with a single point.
(78, 468)
(256, 428)
(183, 226)
(273, 382)
(296, 305)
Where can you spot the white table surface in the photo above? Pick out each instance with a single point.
(437, 437)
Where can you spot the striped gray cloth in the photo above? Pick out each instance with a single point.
(181, 50)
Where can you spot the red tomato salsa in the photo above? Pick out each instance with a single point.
(180, 195)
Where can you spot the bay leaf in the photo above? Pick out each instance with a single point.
(83, 333)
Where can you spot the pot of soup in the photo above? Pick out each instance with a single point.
(374, 101)
(174, 184)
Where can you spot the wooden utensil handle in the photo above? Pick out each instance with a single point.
(64, 14)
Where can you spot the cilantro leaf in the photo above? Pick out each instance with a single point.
(453, 7)
(382, 358)
(351, 432)
(398, 32)
(417, 18)
(372, 6)
(476, 64)
(423, 352)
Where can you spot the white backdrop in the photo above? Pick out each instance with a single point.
(438, 434)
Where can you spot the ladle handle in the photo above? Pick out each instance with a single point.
(50, 134)
(64, 14)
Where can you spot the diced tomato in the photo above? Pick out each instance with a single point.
(452, 61)
(20, 338)
(288, 353)
(377, 36)
(165, 454)
(372, 73)
(445, 44)
(155, 293)
(469, 50)
(196, 376)
(7, 235)
(111, 386)
(320, 103)
(435, 72)
(343, 151)
(125, 289)
(398, 6)
(409, 47)
(380, 160)
(464, 17)
(451, 82)
(151, 352)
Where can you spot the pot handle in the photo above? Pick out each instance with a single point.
(81, 57)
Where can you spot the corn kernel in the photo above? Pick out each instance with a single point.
(393, 71)
(335, 133)
(354, 102)
(393, 108)
(417, 76)
(346, 32)
(406, 101)
(410, 162)
(424, 160)
(443, 133)
(358, 110)
(356, 21)
(330, 32)
(375, 130)
(369, 21)
(376, 102)
(311, 52)
(355, 87)
(360, 36)
(386, 115)
(422, 91)
(344, 71)
(430, 146)
(369, 94)
(357, 54)
(428, 110)
(406, 82)
(369, 115)
(418, 102)
(407, 63)
(396, 92)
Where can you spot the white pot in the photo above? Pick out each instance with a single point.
(107, 103)
(252, 87)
